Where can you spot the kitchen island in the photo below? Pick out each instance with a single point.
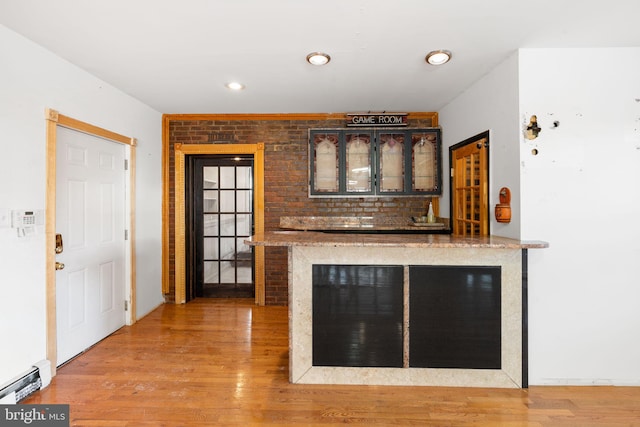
(405, 309)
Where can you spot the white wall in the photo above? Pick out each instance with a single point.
(490, 104)
(581, 193)
(31, 80)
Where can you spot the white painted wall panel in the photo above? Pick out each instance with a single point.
(31, 80)
(582, 194)
(490, 104)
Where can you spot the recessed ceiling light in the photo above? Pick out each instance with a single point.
(318, 58)
(235, 86)
(438, 57)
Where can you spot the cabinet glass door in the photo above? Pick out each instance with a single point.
(424, 158)
(358, 162)
(391, 152)
(326, 162)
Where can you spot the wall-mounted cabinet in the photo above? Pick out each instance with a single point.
(375, 162)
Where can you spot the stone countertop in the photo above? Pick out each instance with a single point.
(312, 238)
(355, 223)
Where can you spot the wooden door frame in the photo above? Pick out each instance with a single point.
(473, 140)
(53, 120)
(180, 150)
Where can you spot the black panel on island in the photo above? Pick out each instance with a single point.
(357, 315)
(455, 314)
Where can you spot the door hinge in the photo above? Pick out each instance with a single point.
(126, 234)
(452, 172)
(126, 164)
(126, 305)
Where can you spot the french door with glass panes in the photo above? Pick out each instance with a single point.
(469, 186)
(222, 218)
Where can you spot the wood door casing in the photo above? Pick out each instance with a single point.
(182, 150)
(469, 186)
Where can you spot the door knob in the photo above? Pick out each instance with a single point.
(59, 266)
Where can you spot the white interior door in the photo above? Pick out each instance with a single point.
(90, 216)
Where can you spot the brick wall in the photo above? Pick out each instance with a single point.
(286, 179)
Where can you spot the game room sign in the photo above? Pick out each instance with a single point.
(376, 119)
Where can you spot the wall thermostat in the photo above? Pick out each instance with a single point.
(23, 219)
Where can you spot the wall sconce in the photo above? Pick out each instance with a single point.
(533, 129)
(503, 209)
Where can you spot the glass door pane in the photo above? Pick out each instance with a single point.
(358, 162)
(392, 162)
(424, 159)
(326, 161)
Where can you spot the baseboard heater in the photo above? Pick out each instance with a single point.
(36, 378)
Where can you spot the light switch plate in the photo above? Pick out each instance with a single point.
(5, 218)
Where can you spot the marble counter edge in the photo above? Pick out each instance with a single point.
(312, 238)
(320, 223)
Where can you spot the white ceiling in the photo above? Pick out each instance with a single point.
(176, 56)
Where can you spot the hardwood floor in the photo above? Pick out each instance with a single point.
(225, 362)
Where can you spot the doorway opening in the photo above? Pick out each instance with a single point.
(219, 217)
(181, 151)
